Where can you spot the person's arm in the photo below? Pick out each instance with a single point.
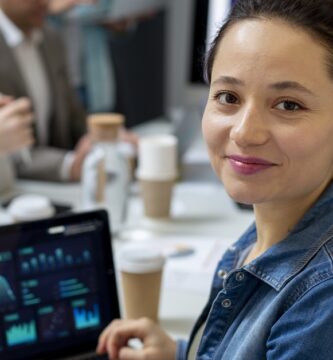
(305, 330)
(45, 164)
(15, 124)
(157, 344)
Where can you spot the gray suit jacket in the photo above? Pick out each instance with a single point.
(67, 123)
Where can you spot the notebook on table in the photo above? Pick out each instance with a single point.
(57, 287)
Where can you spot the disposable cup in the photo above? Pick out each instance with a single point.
(141, 270)
(157, 157)
(157, 197)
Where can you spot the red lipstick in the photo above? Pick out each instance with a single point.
(245, 165)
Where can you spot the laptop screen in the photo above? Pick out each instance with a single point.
(57, 286)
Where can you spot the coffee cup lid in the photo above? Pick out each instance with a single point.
(141, 259)
(30, 207)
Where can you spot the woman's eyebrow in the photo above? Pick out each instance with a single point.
(293, 85)
(281, 85)
(228, 80)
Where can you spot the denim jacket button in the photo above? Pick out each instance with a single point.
(222, 274)
(240, 276)
(226, 303)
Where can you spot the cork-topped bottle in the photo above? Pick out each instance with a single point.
(105, 177)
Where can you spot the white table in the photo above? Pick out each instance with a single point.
(200, 211)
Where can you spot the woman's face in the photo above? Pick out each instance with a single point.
(268, 123)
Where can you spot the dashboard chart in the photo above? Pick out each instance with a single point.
(86, 314)
(20, 328)
(42, 259)
(48, 292)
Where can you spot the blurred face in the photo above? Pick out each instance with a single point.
(26, 14)
(268, 123)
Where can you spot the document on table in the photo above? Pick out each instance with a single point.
(192, 272)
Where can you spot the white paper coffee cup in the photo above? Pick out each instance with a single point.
(157, 156)
(141, 273)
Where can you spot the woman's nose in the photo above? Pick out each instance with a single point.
(250, 128)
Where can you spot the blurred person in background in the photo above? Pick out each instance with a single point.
(32, 65)
(15, 133)
(88, 52)
(86, 26)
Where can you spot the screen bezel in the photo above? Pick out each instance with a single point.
(88, 341)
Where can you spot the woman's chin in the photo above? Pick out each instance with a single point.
(243, 197)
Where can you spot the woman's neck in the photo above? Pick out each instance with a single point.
(275, 220)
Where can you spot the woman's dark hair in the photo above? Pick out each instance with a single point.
(313, 16)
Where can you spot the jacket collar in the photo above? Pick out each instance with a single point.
(287, 258)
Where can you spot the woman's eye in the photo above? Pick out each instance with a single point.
(227, 98)
(288, 105)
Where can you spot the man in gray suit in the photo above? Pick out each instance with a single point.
(33, 65)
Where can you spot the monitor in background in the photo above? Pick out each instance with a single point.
(209, 15)
(57, 286)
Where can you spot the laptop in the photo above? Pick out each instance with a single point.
(57, 287)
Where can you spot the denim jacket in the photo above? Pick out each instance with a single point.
(280, 305)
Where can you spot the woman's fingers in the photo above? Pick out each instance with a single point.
(119, 332)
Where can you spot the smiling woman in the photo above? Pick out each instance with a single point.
(268, 127)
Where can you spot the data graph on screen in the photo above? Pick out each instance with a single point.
(20, 329)
(86, 314)
(39, 259)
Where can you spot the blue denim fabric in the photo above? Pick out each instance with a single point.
(279, 306)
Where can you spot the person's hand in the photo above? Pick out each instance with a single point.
(60, 6)
(157, 344)
(129, 137)
(15, 124)
(81, 150)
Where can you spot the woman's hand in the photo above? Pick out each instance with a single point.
(157, 344)
(15, 124)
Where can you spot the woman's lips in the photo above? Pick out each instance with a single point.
(248, 165)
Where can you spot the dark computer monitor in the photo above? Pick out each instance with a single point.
(209, 15)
